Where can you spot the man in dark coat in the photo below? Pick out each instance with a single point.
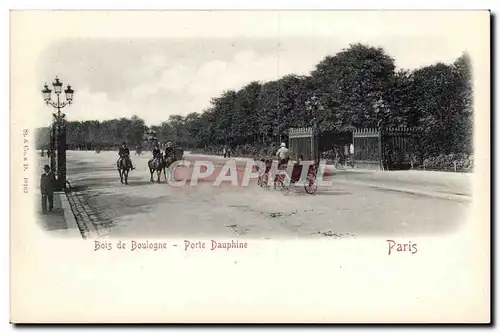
(169, 150)
(124, 152)
(156, 151)
(47, 189)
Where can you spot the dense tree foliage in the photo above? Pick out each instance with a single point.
(358, 87)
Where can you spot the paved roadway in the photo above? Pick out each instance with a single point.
(348, 208)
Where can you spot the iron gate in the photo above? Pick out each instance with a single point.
(302, 141)
(367, 147)
(401, 147)
(389, 148)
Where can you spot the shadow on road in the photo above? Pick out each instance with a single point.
(140, 183)
(333, 193)
(80, 188)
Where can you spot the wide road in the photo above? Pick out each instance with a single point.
(149, 210)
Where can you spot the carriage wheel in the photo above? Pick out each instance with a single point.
(263, 180)
(277, 182)
(311, 187)
(280, 184)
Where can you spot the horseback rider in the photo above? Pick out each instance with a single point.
(283, 155)
(156, 151)
(124, 152)
(169, 150)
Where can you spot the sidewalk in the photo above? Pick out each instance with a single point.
(60, 222)
(446, 185)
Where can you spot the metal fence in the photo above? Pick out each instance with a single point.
(301, 142)
(389, 148)
(401, 147)
(367, 147)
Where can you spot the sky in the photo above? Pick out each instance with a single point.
(190, 57)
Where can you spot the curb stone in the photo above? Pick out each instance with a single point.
(86, 219)
(70, 219)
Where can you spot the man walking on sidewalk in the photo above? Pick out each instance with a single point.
(47, 189)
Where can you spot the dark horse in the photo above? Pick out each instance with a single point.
(168, 162)
(161, 163)
(124, 165)
(156, 164)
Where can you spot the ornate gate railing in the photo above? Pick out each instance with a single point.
(301, 141)
(367, 148)
(400, 147)
(389, 148)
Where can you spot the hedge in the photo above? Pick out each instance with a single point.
(451, 162)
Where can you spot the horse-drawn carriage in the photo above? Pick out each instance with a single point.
(284, 182)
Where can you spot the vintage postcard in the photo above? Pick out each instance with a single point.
(250, 166)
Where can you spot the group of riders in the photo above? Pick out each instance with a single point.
(124, 153)
(283, 154)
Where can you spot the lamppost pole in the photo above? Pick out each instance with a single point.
(58, 129)
(378, 105)
(313, 105)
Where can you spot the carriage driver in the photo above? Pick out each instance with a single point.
(169, 150)
(283, 155)
(124, 152)
(156, 151)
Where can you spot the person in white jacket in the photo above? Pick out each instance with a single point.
(283, 155)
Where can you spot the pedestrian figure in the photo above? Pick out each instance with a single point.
(224, 151)
(47, 189)
(283, 155)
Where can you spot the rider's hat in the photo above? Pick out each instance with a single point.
(169, 143)
(124, 143)
(283, 144)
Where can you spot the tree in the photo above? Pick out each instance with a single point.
(351, 82)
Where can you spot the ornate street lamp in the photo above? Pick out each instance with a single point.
(58, 131)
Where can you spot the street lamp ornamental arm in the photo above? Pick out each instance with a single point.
(58, 105)
(47, 94)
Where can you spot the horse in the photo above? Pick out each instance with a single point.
(156, 164)
(124, 165)
(168, 162)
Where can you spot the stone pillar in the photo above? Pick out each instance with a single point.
(52, 148)
(61, 156)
